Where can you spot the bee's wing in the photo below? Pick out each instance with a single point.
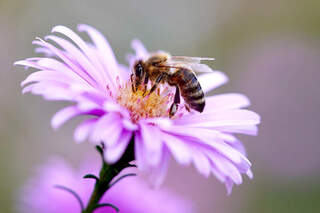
(193, 63)
(187, 59)
(201, 68)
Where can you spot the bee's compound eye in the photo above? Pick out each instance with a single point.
(139, 70)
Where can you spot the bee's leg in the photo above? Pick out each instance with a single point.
(146, 80)
(132, 84)
(158, 80)
(174, 106)
(187, 107)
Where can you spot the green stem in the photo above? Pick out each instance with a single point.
(107, 173)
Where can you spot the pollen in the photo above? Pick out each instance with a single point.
(141, 104)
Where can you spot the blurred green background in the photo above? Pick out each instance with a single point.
(269, 49)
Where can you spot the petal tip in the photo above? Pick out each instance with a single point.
(17, 63)
(82, 27)
(249, 174)
(57, 28)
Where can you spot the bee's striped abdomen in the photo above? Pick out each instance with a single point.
(190, 88)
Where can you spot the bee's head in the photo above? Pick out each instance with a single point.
(138, 72)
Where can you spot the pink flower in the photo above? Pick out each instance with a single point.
(88, 75)
(130, 195)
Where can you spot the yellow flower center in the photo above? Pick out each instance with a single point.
(141, 104)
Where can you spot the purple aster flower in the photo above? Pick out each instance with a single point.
(130, 195)
(88, 75)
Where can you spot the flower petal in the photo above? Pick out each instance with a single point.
(225, 118)
(178, 148)
(205, 137)
(225, 101)
(152, 141)
(47, 76)
(105, 53)
(229, 185)
(63, 115)
(83, 74)
(139, 152)
(159, 172)
(234, 142)
(28, 63)
(249, 174)
(83, 130)
(80, 58)
(107, 129)
(51, 90)
(226, 167)
(113, 153)
(201, 161)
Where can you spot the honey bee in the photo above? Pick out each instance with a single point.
(177, 71)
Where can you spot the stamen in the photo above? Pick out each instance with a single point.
(140, 105)
(109, 90)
